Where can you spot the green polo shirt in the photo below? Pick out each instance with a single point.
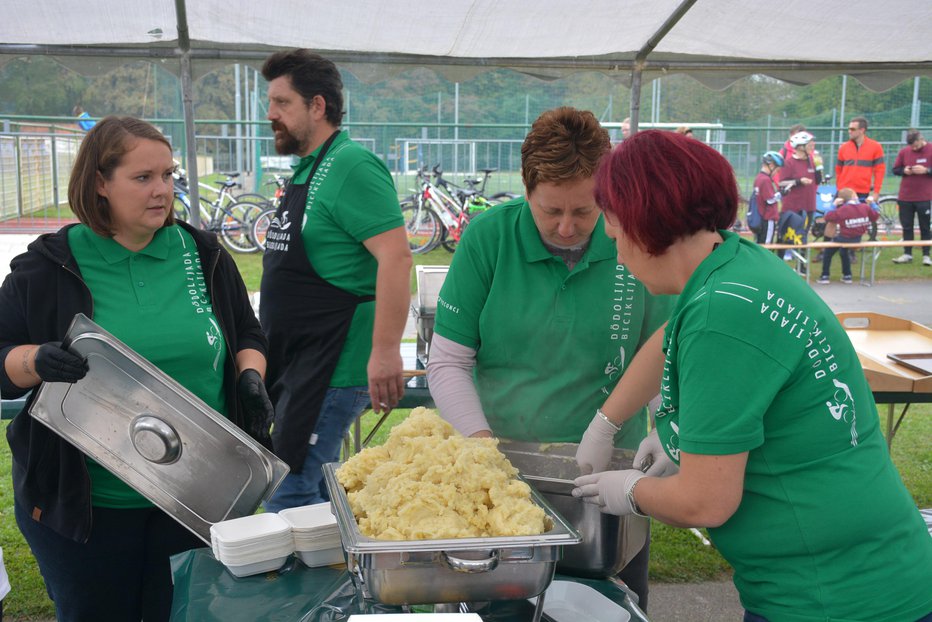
(351, 199)
(551, 343)
(156, 302)
(756, 362)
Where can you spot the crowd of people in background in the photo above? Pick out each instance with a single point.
(784, 206)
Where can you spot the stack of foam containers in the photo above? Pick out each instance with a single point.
(315, 534)
(252, 544)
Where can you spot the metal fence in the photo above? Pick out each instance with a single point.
(34, 170)
(35, 161)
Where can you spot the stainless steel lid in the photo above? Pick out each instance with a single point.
(155, 435)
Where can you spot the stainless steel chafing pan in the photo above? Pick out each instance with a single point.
(155, 435)
(451, 570)
(608, 542)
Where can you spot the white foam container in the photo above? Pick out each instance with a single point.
(567, 601)
(323, 557)
(249, 529)
(310, 518)
(255, 555)
(246, 570)
(252, 544)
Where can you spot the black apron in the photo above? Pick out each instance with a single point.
(306, 320)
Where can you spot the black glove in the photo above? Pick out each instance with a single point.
(55, 364)
(257, 406)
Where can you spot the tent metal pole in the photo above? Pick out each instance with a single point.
(640, 59)
(188, 107)
(187, 104)
(635, 100)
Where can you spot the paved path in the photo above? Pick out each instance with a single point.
(707, 601)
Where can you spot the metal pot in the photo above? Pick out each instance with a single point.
(608, 542)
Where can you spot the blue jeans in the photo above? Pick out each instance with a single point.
(121, 574)
(341, 407)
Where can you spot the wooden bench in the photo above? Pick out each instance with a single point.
(802, 253)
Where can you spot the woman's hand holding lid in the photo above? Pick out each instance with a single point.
(52, 363)
(257, 406)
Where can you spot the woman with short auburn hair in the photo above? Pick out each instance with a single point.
(764, 407)
(538, 325)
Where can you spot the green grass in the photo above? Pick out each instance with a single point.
(676, 554)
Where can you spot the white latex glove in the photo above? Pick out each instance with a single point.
(608, 490)
(596, 447)
(651, 454)
(777, 196)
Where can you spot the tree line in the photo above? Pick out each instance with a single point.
(40, 86)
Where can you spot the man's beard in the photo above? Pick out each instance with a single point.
(286, 143)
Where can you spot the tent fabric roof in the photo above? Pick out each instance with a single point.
(716, 41)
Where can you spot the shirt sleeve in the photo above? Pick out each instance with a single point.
(449, 374)
(899, 164)
(765, 193)
(464, 292)
(726, 386)
(367, 203)
(879, 170)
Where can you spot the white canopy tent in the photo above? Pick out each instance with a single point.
(714, 41)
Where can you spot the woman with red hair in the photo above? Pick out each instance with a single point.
(764, 407)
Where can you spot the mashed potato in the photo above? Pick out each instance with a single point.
(429, 482)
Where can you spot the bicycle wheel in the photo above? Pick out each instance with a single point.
(422, 226)
(501, 197)
(260, 227)
(252, 197)
(889, 221)
(448, 240)
(236, 227)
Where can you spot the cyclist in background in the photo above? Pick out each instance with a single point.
(767, 197)
(798, 179)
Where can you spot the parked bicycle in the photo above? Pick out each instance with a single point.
(229, 216)
(479, 185)
(438, 213)
(432, 215)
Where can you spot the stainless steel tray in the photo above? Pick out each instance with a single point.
(449, 570)
(608, 542)
(155, 435)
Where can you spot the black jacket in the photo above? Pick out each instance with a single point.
(38, 300)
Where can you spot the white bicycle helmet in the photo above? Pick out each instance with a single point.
(800, 138)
